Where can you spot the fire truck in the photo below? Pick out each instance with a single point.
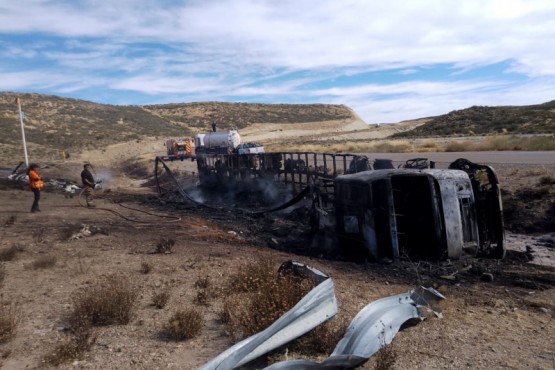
(181, 147)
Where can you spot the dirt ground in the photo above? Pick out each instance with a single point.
(506, 323)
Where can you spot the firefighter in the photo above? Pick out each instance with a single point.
(88, 184)
(36, 184)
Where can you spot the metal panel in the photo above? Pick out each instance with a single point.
(318, 306)
(373, 327)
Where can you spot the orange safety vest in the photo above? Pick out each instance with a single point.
(35, 181)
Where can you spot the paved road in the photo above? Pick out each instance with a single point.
(541, 158)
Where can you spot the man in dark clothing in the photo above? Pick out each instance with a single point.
(213, 126)
(88, 184)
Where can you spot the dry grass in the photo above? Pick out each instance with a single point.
(39, 235)
(165, 245)
(205, 291)
(145, 268)
(10, 220)
(488, 143)
(382, 146)
(160, 299)
(257, 297)
(9, 320)
(184, 325)
(534, 143)
(81, 338)
(321, 340)
(44, 262)
(546, 180)
(109, 300)
(9, 254)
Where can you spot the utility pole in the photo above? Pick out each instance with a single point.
(22, 130)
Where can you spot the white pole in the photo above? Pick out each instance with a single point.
(22, 131)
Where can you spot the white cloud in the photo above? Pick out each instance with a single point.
(224, 49)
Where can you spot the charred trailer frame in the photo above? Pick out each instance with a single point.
(421, 214)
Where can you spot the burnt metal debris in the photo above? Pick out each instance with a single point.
(377, 212)
(373, 327)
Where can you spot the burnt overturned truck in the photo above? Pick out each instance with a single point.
(420, 213)
(381, 214)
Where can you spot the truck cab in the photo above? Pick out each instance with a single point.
(416, 213)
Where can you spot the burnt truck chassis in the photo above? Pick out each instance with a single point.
(415, 211)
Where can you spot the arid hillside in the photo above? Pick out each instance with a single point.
(58, 127)
(54, 124)
(481, 120)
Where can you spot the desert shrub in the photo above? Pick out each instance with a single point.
(391, 147)
(533, 143)
(2, 273)
(202, 298)
(165, 245)
(184, 324)
(257, 297)
(81, 337)
(160, 299)
(43, 262)
(203, 283)
(322, 339)
(9, 319)
(10, 220)
(456, 146)
(110, 300)
(39, 235)
(205, 291)
(145, 267)
(429, 144)
(8, 254)
(546, 180)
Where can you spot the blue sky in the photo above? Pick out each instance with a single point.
(387, 60)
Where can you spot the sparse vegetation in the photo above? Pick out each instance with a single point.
(39, 235)
(184, 325)
(160, 299)
(9, 254)
(145, 267)
(479, 120)
(10, 220)
(205, 291)
(9, 320)
(43, 262)
(257, 297)
(546, 180)
(109, 300)
(165, 245)
(489, 143)
(80, 339)
(321, 340)
(203, 283)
